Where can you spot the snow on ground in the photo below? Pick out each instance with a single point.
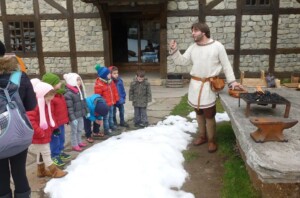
(144, 163)
(219, 116)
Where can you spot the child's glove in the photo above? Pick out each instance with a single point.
(88, 115)
(56, 132)
(75, 122)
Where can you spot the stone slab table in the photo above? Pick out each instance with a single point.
(273, 162)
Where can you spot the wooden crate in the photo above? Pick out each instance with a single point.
(254, 82)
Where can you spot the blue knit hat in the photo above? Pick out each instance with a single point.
(101, 108)
(102, 71)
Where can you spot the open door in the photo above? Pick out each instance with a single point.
(135, 40)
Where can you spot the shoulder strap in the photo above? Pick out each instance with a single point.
(15, 77)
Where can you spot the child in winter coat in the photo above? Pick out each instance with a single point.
(140, 95)
(77, 109)
(43, 124)
(60, 112)
(107, 89)
(122, 94)
(97, 108)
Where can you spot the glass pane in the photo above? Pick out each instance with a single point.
(149, 42)
(132, 40)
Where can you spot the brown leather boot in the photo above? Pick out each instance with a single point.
(212, 147)
(200, 140)
(56, 172)
(42, 172)
(211, 133)
(202, 131)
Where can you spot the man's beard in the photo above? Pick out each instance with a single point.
(198, 38)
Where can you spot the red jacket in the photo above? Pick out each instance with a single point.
(40, 136)
(107, 90)
(60, 111)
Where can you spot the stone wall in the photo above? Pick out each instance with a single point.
(81, 7)
(32, 65)
(226, 4)
(87, 64)
(287, 62)
(55, 35)
(45, 8)
(19, 7)
(1, 32)
(254, 63)
(179, 29)
(288, 31)
(88, 33)
(58, 65)
(183, 5)
(256, 32)
(222, 28)
(289, 4)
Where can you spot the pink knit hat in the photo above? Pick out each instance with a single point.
(41, 89)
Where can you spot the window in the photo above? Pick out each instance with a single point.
(135, 38)
(22, 36)
(257, 2)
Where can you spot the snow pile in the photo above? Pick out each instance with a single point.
(144, 163)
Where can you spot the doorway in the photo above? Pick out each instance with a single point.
(135, 41)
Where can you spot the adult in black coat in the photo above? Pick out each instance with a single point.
(15, 166)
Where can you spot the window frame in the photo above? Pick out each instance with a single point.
(12, 29)
(257, 5)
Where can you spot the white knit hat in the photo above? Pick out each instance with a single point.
(41, 89)
(71, 79)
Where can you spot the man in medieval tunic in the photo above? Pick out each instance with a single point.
(207, 57)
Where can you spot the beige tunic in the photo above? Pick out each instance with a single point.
(208, 60)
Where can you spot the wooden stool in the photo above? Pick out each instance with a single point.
(270, 129)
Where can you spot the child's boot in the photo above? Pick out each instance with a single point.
(42, 172)
(56, 172)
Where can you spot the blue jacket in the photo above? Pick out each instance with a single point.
(91, 101)
(121, 90)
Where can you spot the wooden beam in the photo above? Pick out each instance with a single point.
(105, 29)
(237, 36)
(52, 16)
(221, 12)
(274, 31)
(212, 4)
(78, 54)
(57, 6)
(183, 13)
(71, 33)
(6, 32)
(288, 51)
(38, 36)
(163, 40)
(289, 11)
(202, 10)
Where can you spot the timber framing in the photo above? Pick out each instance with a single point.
(106, 7)
(274, 10)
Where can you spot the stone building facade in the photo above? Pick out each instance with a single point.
(257, 49)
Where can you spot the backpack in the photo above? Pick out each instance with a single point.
(15, 129)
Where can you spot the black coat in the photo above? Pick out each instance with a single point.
(26, 92)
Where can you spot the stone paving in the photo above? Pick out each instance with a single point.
(163, 101)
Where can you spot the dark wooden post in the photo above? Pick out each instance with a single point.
(71, 33)
(273, 46)
(38, 35)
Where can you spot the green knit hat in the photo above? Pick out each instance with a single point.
(53, 80)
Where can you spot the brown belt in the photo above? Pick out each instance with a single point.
(203, 80)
